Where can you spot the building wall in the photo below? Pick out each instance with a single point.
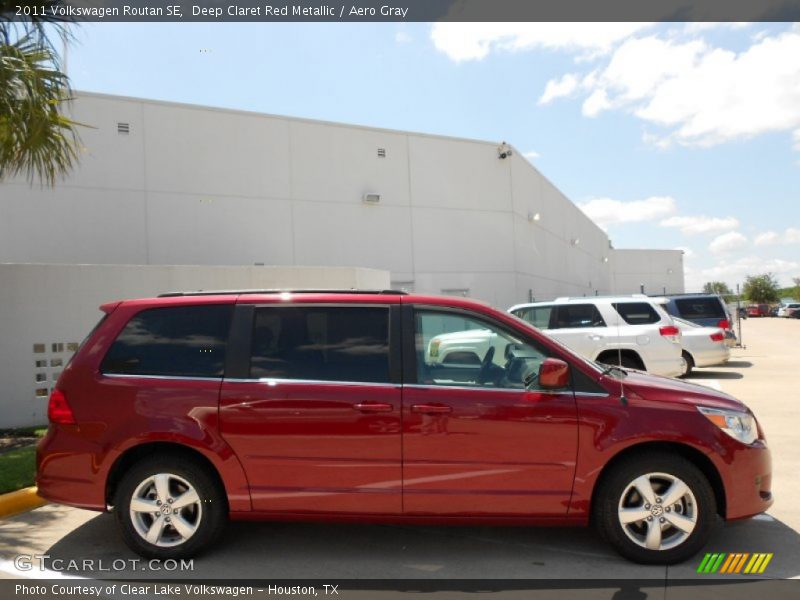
(52, 307)
(659, 271)
(195, 185)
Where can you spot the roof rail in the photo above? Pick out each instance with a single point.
(565, 298)
(281, 291)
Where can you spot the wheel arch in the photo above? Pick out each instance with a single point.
(135, 454)
(693, 455)
(625, 352)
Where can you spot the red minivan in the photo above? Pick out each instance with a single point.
(184, 411)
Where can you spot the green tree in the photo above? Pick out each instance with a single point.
(717, 287)
(761, 288)
(36, 137)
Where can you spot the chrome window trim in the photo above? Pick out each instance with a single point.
(165, 377)
(593, 394)
(277, 381)
(434, 386)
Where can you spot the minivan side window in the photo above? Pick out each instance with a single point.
(321, 343)
(637, 313)
(179, 341)
(453, 349)
(577, 315)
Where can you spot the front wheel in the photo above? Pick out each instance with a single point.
(655, 509)
(169, 508)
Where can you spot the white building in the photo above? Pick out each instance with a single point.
(163, 184)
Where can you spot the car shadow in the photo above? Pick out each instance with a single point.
(292, 550)
(735, 364)
(706, 374)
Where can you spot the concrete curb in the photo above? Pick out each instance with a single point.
(20, 501)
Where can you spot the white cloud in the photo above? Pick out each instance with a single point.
(796, 139)
(727, 242)
(768, 238)
(559, 88)
(474, 41)
(607, 211)
(698, 94)
(531, 154)
(687, 252)
(695, 225)
(733, 272)
(772, 238)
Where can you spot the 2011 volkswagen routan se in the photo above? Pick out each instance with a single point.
(183, 411)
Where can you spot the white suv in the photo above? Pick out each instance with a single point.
(630, 331)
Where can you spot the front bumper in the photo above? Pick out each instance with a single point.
(748, 481)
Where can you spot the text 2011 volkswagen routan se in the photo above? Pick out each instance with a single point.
(183, 411)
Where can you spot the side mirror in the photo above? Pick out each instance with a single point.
(553, 374)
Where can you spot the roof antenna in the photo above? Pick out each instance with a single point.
(622, 398)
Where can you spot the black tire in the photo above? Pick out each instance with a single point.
(209, 514)
(621, 361)
(689, 363)
(607, 500)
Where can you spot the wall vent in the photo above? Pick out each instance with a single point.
(382, 152)
(124, 128)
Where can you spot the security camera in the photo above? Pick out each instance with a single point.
(504, 151)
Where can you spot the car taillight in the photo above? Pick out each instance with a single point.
(58, 410)
(718, 337)
(724, 324)
(670, 331)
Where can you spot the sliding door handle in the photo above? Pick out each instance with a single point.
(373, 407)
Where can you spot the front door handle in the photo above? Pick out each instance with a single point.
(373, 407)
(431, 409)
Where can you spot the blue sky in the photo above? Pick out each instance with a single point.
(669, 136)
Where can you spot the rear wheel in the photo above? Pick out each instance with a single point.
(169, 508)
(687, 363)
(655, 509)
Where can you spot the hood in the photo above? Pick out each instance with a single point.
(460, 336)
(675, 391)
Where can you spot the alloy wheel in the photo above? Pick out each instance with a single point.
(165, 510)
(657, 511)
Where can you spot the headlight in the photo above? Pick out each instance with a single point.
(739, 425)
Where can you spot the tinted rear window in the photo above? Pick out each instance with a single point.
(700, 308)
(181, 341)
(577, 315)
(321, 343)
(637, 313)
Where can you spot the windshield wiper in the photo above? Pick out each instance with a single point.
(616, 370)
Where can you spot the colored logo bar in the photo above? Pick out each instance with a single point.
(742, 563)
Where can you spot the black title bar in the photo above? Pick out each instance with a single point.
(402, 10)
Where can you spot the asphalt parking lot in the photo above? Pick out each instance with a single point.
(763, 374)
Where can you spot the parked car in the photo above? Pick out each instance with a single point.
(787, 310)
(702, 346)
(708, 310)
(630, 331)
(184, 411)
(758, 310)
